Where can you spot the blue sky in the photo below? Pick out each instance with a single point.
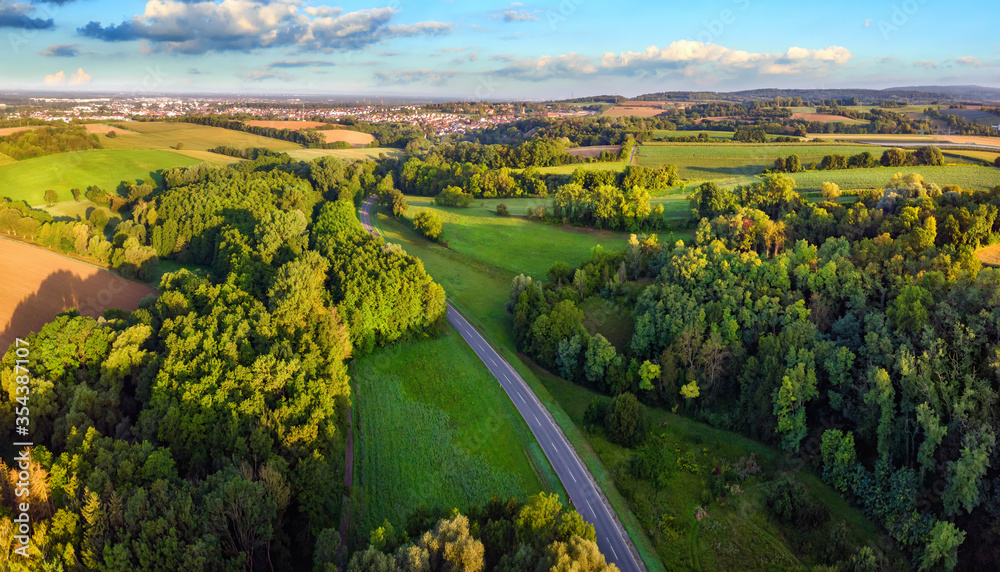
(492, 50)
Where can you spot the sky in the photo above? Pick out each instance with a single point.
(471, 50)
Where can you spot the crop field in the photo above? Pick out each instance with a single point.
(989, 255)
(280, 124)
(568, 169)
(988, 156)
(362, 153)
(353, 137)
(209, 157)
(636, 108)
(514, 243)
(965, 176)
(738, 534)
(27, 180)
(48, 283)
(435, 429)
(973, 116)
(593, 151)
(699, 162)
(167, 134)
(827, 118)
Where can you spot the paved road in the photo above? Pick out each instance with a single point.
(587, 497)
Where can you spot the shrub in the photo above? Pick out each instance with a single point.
(502, 208)
(597, 411)
(626, 422)
(111, 134)
(428, 224)
(789, 503)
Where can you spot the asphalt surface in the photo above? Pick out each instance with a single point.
(587, 497)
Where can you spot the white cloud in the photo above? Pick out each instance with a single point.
(969, 61)
(926, 64)
(684, 54)
(55, 78)
(78, 77)
(243, 25)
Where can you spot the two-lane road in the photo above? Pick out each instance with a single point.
(587, 497)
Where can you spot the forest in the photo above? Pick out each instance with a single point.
(205, 431)
(862, 339)
(48, 140)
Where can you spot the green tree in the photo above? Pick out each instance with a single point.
(942, 547)
(929, 155)
(963, 491)
(600, 353)
(839, 458)
(428, 224)
(648, 373)
(934, 433)
(894, 157)
(830, 191)
(51, 196)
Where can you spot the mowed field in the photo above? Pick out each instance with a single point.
(27, 180)
(514, 243)
(435, 429)
(167, 134)
(593, 151)
(988, 156)
(355, 138)
(38, 284)
(711, 161)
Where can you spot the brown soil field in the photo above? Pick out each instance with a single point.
(352, 137)
(38, 284)
(295, 125)
(101, 128)
(989, 255)
(593, 151)
(9, 130)
(644, 110)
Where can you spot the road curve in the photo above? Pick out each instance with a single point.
(587, 497)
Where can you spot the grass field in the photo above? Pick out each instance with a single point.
(360, 153)
(965, 176)
(209, 157)
(513, 243)
(712, 135)
(5, 159)
(77, 210)
(27, 180)
(167, 134)
(435, 429)
(698, 162)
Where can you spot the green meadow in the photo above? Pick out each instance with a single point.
(28, 180)
(435, 429)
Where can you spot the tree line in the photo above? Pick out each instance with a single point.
(48, 140)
